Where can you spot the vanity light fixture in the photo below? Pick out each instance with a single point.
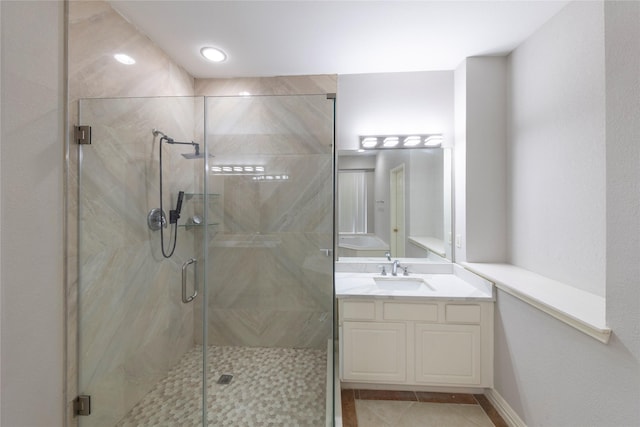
(411, 141)
(370, 142)
(125, 59)
(270, 178)
(213, 54)
(433, 141)
(236, 169)
(390, 141)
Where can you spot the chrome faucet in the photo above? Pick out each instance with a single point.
(394, 268)
(388, 255)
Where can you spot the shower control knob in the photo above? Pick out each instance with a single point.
(156, 219)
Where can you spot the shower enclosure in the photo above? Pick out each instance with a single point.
(235, 326)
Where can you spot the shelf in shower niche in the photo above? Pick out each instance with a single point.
(201, 195)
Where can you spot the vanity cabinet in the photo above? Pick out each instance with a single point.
(447, 354)
(375, 351)
(429, 343)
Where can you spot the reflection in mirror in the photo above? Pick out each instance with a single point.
(396, 201)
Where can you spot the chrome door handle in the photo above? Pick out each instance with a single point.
(186, 299)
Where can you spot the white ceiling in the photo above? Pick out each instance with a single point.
(275, 38)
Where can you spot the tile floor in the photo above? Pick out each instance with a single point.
(270, 387)
(373, 408)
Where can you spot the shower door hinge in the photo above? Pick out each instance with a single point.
(82, 405)
(83, 134)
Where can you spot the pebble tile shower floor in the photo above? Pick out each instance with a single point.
(270, 387)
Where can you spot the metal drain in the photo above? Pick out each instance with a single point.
(225, 379)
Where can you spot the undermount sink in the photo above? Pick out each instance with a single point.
(402, 284)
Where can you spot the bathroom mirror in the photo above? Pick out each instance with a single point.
(397, 201)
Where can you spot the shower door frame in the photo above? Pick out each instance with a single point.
(75, 184)
(74, 162)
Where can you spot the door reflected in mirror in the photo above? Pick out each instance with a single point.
(395, 202)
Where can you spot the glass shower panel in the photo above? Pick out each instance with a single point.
(138, 354)
(270, 266)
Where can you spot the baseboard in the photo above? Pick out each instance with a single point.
(504, 409)
(411, 387)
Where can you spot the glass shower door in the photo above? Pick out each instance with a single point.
(270, 267)
(138, 355)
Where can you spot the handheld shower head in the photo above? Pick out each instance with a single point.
(179, 203)
(174, 214)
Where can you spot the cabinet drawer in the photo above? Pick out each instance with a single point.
(408, 311)
(462, 313)
(359, 310)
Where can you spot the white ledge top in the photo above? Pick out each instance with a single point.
(582, 310)
(429, 243)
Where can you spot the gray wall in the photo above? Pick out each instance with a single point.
(557, 149)
(32, 105)
(552, 374)
(559, 196)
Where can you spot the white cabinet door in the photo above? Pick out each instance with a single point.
(375, 351)
(447, 354)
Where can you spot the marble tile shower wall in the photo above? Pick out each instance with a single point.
(120, 312)
(133, 325)
(269, 283)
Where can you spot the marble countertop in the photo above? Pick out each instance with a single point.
(459, 285)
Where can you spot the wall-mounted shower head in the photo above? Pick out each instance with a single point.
(169, 140)
(196, 154)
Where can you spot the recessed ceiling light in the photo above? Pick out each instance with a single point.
(213, 54)
(124, 59)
